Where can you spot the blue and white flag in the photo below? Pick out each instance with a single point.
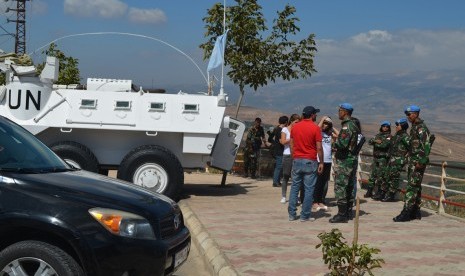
(217, 56)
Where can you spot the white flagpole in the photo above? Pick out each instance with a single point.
(222, 65)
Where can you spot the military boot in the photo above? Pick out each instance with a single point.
(369, 192)
(350, 212)
(404, 216)
(390, 197)
(341, 216)
(380, 194)
(415, 213)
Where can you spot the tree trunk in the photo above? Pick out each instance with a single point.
(239, 102)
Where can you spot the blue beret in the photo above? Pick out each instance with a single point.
(385, 123)
(412, 108)
(346, 106)
(402, 121)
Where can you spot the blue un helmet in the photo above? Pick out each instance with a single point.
(385, 123)
(403, 123)
(346, 106)
(411, 108)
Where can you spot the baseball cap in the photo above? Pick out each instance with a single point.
(346, 106)
(309, 110)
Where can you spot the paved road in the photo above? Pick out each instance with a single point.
(194, 265)
(246, 231)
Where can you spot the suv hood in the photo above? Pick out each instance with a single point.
(94, 190)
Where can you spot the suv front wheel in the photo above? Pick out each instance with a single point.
(37, 258)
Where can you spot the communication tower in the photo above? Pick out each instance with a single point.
(20, 38)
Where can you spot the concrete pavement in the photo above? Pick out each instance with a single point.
(243, 229)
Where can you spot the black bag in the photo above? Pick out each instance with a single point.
(276, 149)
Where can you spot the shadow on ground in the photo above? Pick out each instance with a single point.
(216, 190)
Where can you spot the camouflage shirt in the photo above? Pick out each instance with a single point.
(420, 146)
(400, 144)
(381, 150)
(347, 139)
(254, 137)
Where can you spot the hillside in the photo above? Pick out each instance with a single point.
(447, 147)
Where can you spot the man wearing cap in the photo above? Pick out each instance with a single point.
(344, 166)
(305, 146)
(398, 150)
(381, 143)
(420, 148)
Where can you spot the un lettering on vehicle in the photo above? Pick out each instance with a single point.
(30, 99)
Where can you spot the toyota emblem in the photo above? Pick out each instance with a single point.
(176, 221)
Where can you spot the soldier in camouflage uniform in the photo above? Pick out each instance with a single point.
(253, 143)
(420, 148)
(344, 163)
(400, 144)
(381, 143)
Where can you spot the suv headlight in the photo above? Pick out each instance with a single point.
(123, 223)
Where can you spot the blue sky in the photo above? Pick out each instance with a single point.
(362, 36)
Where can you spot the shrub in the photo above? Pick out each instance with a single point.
(343, 259)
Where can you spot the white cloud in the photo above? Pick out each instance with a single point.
(100, 8)
(151, 16)
(38, 7)
(379, 51)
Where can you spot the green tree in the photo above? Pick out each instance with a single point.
(69, 71)
(254, 59)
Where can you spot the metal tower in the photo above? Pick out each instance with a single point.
(20, 38)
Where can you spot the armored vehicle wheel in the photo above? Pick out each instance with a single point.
(76, 155)
(155, 168)
(37, 258)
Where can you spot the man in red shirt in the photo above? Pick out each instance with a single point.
(305, 146)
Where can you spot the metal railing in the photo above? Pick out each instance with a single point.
(435, 191)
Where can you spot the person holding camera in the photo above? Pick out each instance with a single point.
(328, 133)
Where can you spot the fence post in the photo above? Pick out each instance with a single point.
(359, 171)
(442, 191)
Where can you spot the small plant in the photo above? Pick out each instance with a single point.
(343, 259)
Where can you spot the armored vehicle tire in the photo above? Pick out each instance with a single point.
(77, 155)
(37, 258)
(155, 168)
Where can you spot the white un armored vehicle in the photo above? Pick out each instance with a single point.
(109, 124)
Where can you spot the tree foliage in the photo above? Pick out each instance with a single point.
(68, 72)
(254, 53)
(343, 259)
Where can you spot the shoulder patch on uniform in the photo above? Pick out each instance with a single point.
(345, 127)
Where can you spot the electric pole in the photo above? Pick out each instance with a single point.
(20, 38)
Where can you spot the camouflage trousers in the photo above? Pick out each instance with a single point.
(250, 162)
(379, 171)
(344, 180)
(393, 177)
(413, 190)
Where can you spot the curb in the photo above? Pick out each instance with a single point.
(215, 260)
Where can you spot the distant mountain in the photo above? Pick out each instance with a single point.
(447, 147)
(375, 97)
(441, 96)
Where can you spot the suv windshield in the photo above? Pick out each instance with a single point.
(21, 152)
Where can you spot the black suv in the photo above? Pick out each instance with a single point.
(57, 220)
